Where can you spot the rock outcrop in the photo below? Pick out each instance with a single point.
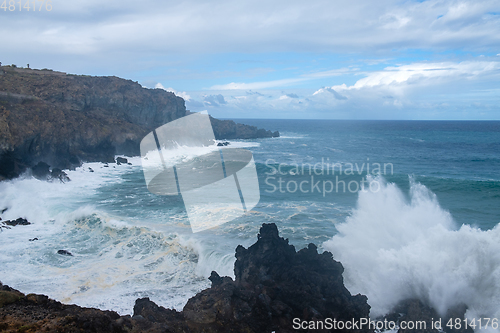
(63, 119)
(228, 129)
(38, 313)
(273, 285)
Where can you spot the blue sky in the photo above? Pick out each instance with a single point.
(279, 59)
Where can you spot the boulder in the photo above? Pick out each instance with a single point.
(121, 160)
(19, 221)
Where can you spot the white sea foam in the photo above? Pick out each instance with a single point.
(112, 265)
(115, 260)
(394, 247)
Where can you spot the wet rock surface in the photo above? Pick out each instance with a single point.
(64, 253)
(273, 285)
(19, 221)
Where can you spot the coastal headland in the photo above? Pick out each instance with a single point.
(63, 119)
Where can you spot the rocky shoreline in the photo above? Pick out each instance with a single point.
(63, 120)
(276, 289)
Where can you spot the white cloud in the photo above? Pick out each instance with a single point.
(422, 74)
(420, 90)
(182, 94)
(92, 27)
(283, 82)
(257, 85)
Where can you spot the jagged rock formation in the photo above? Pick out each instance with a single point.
(273, 285)
(64, 119)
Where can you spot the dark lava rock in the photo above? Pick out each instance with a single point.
(64, 253)
(19, 221)
(41, 170)
(273, 285)
(60, 175)
(169, 320)
(38, 313)
(121, 160)
(228, 129)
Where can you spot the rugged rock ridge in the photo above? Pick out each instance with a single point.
(273, 285)
(63, 119)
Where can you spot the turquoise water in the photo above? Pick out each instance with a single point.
(430, 204)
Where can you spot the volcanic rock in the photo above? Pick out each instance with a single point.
(121, 160)
(19, 221)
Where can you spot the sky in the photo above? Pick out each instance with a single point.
(364, 59)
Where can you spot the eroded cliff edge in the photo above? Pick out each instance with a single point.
(64, 119)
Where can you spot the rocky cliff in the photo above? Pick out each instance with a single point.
(64, 119)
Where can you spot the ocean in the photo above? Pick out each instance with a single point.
(410, 208)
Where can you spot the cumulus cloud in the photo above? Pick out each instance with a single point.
(87, 27)
(258, 85)
(214, 100)
(419, 90)
(332, 91)
(428, 87)
(428, 74)
(182, 94)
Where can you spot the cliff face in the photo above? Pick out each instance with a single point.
(65, 119)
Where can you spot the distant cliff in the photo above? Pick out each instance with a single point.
(64, 119)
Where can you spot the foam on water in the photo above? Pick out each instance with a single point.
(183, 153)
(115, 259)
(395, 247)
(112, 265)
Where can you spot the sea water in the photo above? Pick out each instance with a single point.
(410, 208)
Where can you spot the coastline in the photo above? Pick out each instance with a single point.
(63, 120)
(276, 289)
